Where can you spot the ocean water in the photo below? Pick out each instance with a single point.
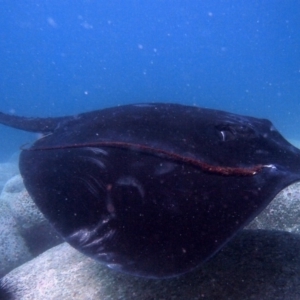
(65, 57)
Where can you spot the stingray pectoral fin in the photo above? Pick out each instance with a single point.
(43, 125)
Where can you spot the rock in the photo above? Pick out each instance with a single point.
(20, 204)
(13, 248)
(255, 265)
(24, 222)
(7, 170)
(283, 213)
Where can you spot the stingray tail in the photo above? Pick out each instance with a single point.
(42, 125)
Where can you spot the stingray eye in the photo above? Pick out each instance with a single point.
(223, 135)
(225, 132)
(229, 132)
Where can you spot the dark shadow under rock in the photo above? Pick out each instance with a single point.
(41, 238)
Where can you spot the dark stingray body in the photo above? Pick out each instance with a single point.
(154, 189)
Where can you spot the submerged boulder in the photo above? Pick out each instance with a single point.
(283, 213)
(31, 224)
(13, 248)
(7, 170)
(24, 232)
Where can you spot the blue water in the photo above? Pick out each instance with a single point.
(63, 57)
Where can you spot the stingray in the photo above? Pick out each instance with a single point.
(153, 189)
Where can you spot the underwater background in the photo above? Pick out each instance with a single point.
(64, 57)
